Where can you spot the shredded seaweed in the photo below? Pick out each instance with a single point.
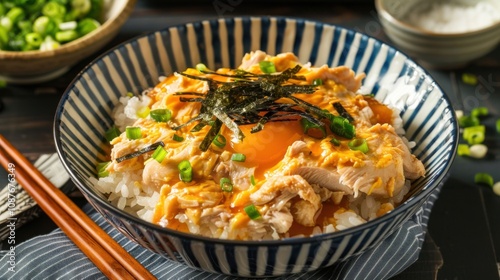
(144, 150)
(342, 111)
(249, 98)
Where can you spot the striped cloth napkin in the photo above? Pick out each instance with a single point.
(54, 256)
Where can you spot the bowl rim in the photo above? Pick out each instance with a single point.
(84, 41)
(383, 12)
(422, 195)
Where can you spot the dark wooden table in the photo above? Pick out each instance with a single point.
(463, 240)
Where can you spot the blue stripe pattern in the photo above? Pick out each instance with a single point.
(133, 66)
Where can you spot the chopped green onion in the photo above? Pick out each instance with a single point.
(317, 82)
(54, 10)
(479, 112)
(49, 44)
(81, 7)
(133, 132)
(33, 39)
(201, 67)
(143, 112)
(66, 36)
(483, 178)
(68, 25)
(335, 141)
(466, 121)
(219, 141)
(498, 125)
(474, 134)
(341, 126)
(101, 169)
(478, 151)
(252, 180)
(161, 115)
(463, 150)
(44, 26)
(87, 25)
(496, 188)
(177, 138)
(358, 145)
(308, 125)
(112, 133)
(15, 14)
(238, 157)
(226, 185)
(267, 67)
(469, 79)
(252, 212)
(185, 171)
(159, 154)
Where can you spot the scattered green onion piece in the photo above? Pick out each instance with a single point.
(483, 178)
(143, 112)
(226, 185)
(49, 44)
(238, 157)
(308, 125)
(133, 132)
(33, 39)
(101, 169)
(201, 67)
(317, 82)
(469, 79)
(252, 180)
(15, 14)
(3, 83)
(44, 26)
(185, 171)
(466, 121)
(219, 141)
(474, 134)
(496, 188)
(463, 150)
(177, 138)
(66, 36)
(68, 25)
(2, 9)
(335, 141)
(252, 212)
(81, 7)
(358, 145)
(87, 25)
(161, 115)
(342, 127)
(53, 10)
(267, 67)
(4, 37)
(112, 133)
(479, 112)
(159, 154)
(498, 125)
(478, 151)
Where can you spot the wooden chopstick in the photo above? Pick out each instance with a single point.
(112, 259)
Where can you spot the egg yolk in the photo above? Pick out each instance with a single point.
(266, 148)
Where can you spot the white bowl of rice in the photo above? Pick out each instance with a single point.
(443, 34)
(295, 196)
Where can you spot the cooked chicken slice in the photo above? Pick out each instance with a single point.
(292, 185)
(238, 174)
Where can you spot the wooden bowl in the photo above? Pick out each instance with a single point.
(39, 66)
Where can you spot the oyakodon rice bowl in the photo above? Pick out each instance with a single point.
(270, 150)
(85, 113)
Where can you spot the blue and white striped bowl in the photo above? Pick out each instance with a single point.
(84, 114)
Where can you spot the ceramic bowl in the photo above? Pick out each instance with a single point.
(84, 114)
(38, 66)
(436, 49)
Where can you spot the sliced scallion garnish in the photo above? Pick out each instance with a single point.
(479, 112)
(238, 157)
(463, 150)
(177, 138)
(143, 112)
(101, 169)
(467, 121)
(185, 171)
(474, 134)
(317, 82)
(252, 180)
(358, 145)
(335, 141)
(341, 126)
(226, 185)
(313, 129)
(161, 115)
(498, 125)
(252, 212)
(112, 133)
(267, 67)
(159, 154)
(133, 132)
(219, 141)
